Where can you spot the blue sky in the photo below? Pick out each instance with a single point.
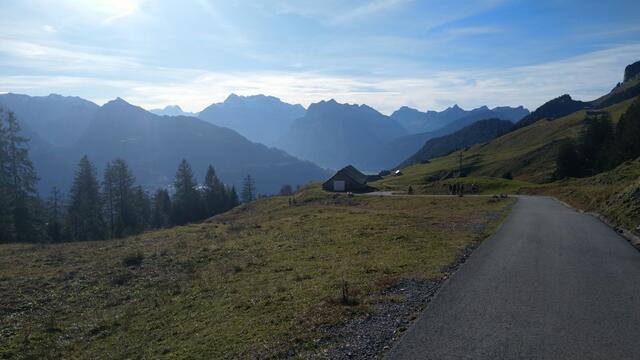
(386, 53)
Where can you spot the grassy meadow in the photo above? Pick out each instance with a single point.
(265, 280)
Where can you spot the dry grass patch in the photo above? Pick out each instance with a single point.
(260, 281)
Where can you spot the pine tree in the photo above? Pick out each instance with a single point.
(231, 198)
(84, 219)
(248, 193)
(54, 216)
(20, 219)
(7, 228)
(118, 198)
(186, 202)
(595, 143)
(214, 193)
(568, 162)
(161, 209)
(142, 209)
(626, 145)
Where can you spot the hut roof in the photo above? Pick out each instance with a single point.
(354, 173)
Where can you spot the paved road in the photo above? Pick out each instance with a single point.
(551, 284)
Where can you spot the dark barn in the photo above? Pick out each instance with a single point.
(347, 179)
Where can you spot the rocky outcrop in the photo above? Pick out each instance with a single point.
(632, 71)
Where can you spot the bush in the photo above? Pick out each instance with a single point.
(508, 175)
(133, 259)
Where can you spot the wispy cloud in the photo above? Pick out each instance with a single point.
(108, 10)
(35, 56)
(473, 30)
(585, 77)
(369, 9)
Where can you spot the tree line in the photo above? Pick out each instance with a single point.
(601, 146)
(94, 209)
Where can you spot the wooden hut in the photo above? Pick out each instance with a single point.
(347, 179)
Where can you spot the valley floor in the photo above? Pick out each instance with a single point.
(271, 278)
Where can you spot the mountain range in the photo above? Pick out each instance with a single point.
(172, 110)
(455, 118)
(260, 118)
(59, 120)
(334, 135)
(153, 146)
(230, 135)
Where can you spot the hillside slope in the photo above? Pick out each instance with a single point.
(475, 133)
(59, 120)
(527, 153)
(399, 149)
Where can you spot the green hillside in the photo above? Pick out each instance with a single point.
(528, 154)
(258, 282)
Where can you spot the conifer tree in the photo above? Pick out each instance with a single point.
(161, 209)
(142, 209)
(186, 202)
(84, 219)
(231, 198)
(20, 218)
(595, 145)
(118, 198)
(214, 193)
(568, 163)
(54, 216)
(7, 228)
(627, 137)
(248, 193)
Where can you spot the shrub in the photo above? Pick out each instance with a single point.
(134, 259)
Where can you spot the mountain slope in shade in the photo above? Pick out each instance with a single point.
(398, 149)
(478, 132)
(334, 135)
(171, 110)
(154, 145)
(59, 120)
(555, 108)
(260, 118)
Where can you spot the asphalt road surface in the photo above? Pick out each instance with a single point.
(550, 284)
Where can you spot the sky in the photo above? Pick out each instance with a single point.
(426, 54)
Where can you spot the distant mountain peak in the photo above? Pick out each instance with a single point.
(117, 100)
(232, 98)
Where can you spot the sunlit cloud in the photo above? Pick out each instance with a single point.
(108, 10)
(585, 77)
